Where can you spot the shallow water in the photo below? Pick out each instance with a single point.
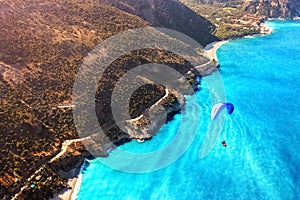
(262, 161)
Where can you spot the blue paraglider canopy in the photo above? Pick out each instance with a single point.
(217, 109)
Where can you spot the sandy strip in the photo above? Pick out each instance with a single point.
(212, 48)
(75, 181)
(69, 193)
(76, 188)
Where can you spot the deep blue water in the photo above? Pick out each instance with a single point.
(262, 160)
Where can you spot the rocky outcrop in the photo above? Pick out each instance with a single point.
(145, 126)
(268, 8)
(273, 8)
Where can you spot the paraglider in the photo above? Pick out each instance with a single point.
(219, 107)
(217, 122)
(224, 144)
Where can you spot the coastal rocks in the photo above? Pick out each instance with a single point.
(148, 124)
(264, 30)
(68, 166)
(267, 8)
(208, 68)
(273, 8)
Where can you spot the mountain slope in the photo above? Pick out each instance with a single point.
(268, 8)
(42, 46)
(273, 8)
(170, 14)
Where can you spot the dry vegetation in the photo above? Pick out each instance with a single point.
(169, 14)
(42, 44)
(143, 97)
(45, 43)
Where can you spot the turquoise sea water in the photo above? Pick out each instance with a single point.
(262, 160)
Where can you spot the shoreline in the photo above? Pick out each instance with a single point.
(211, 50)
(76, 187)
(70, 193)
(74, 183)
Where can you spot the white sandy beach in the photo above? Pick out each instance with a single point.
(212, 48)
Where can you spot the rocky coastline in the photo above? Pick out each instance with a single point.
(68, 162)
(75, 179)
(208, 68)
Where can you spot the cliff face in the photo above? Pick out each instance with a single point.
(268, 8)
(273, 8)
